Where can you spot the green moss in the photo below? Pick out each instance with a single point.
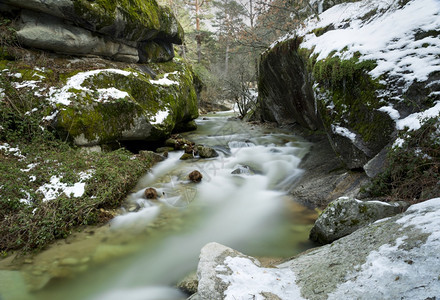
(321, 30)
(353, 93)
(143, 18)
(105, 122)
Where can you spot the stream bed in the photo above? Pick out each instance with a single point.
(241, 202)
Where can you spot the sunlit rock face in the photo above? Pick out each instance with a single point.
(119, 30)
(365, 71)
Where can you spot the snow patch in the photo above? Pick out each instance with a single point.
(14, 151)
(391, 111)
(416, 120)
(396, 267)
(53, 189)
(342, 131)
(248, 281)
(160, 116)
(63, 95)
(389, 38)
(165, 80)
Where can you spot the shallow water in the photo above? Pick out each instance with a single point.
(143, 254)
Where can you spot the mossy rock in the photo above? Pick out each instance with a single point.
(116, 105)
(345, 215)
(127, 20)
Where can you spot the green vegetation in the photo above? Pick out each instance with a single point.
(28, 222)
(412, 173)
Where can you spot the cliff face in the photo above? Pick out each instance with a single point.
(99, 72)
(121, 30)
(367, 71)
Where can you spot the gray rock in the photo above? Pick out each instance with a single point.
(346, 215)
(285, 89)
(51, 33)
(194, 297)
(395, 258)
(189, 284)
(206, 152)
(212, 255)
(377, 164)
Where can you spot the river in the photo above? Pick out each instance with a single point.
(242, 202)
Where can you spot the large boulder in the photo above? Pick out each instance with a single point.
(346, 215)
(108, 105)
(113, 103)
(285, 87)
(50, 33)
(394, 258)
(99, 26)
(345, 68)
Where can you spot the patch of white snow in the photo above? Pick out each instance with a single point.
(248, 281)
(165, 80)
(342, 131)
(160, 117)
(75, 82)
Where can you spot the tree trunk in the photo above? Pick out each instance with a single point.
(198, 36)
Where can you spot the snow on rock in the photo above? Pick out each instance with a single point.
(342, 131)
(396, 258)
(75, 82)
(224, 273)
(388, 37)
(249, 280)
(416, 120)
(165, 80)
(410, 272)
(53, 189)
(160, 117)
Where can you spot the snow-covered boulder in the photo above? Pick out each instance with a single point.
(112, 103)
(225, 273)
(346, 215)
(365, 69)
(393, 258)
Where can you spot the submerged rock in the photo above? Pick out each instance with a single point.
(195, 176)
(346, 215)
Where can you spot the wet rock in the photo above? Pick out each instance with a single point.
(189, 284)
(195, 176)
(189, 149)
(186, 156)
(206, 152)
(150, 155)
(164, 149)
(346, 215)
(150, 193)
(177, 142)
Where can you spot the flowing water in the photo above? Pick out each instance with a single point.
(242, 202)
